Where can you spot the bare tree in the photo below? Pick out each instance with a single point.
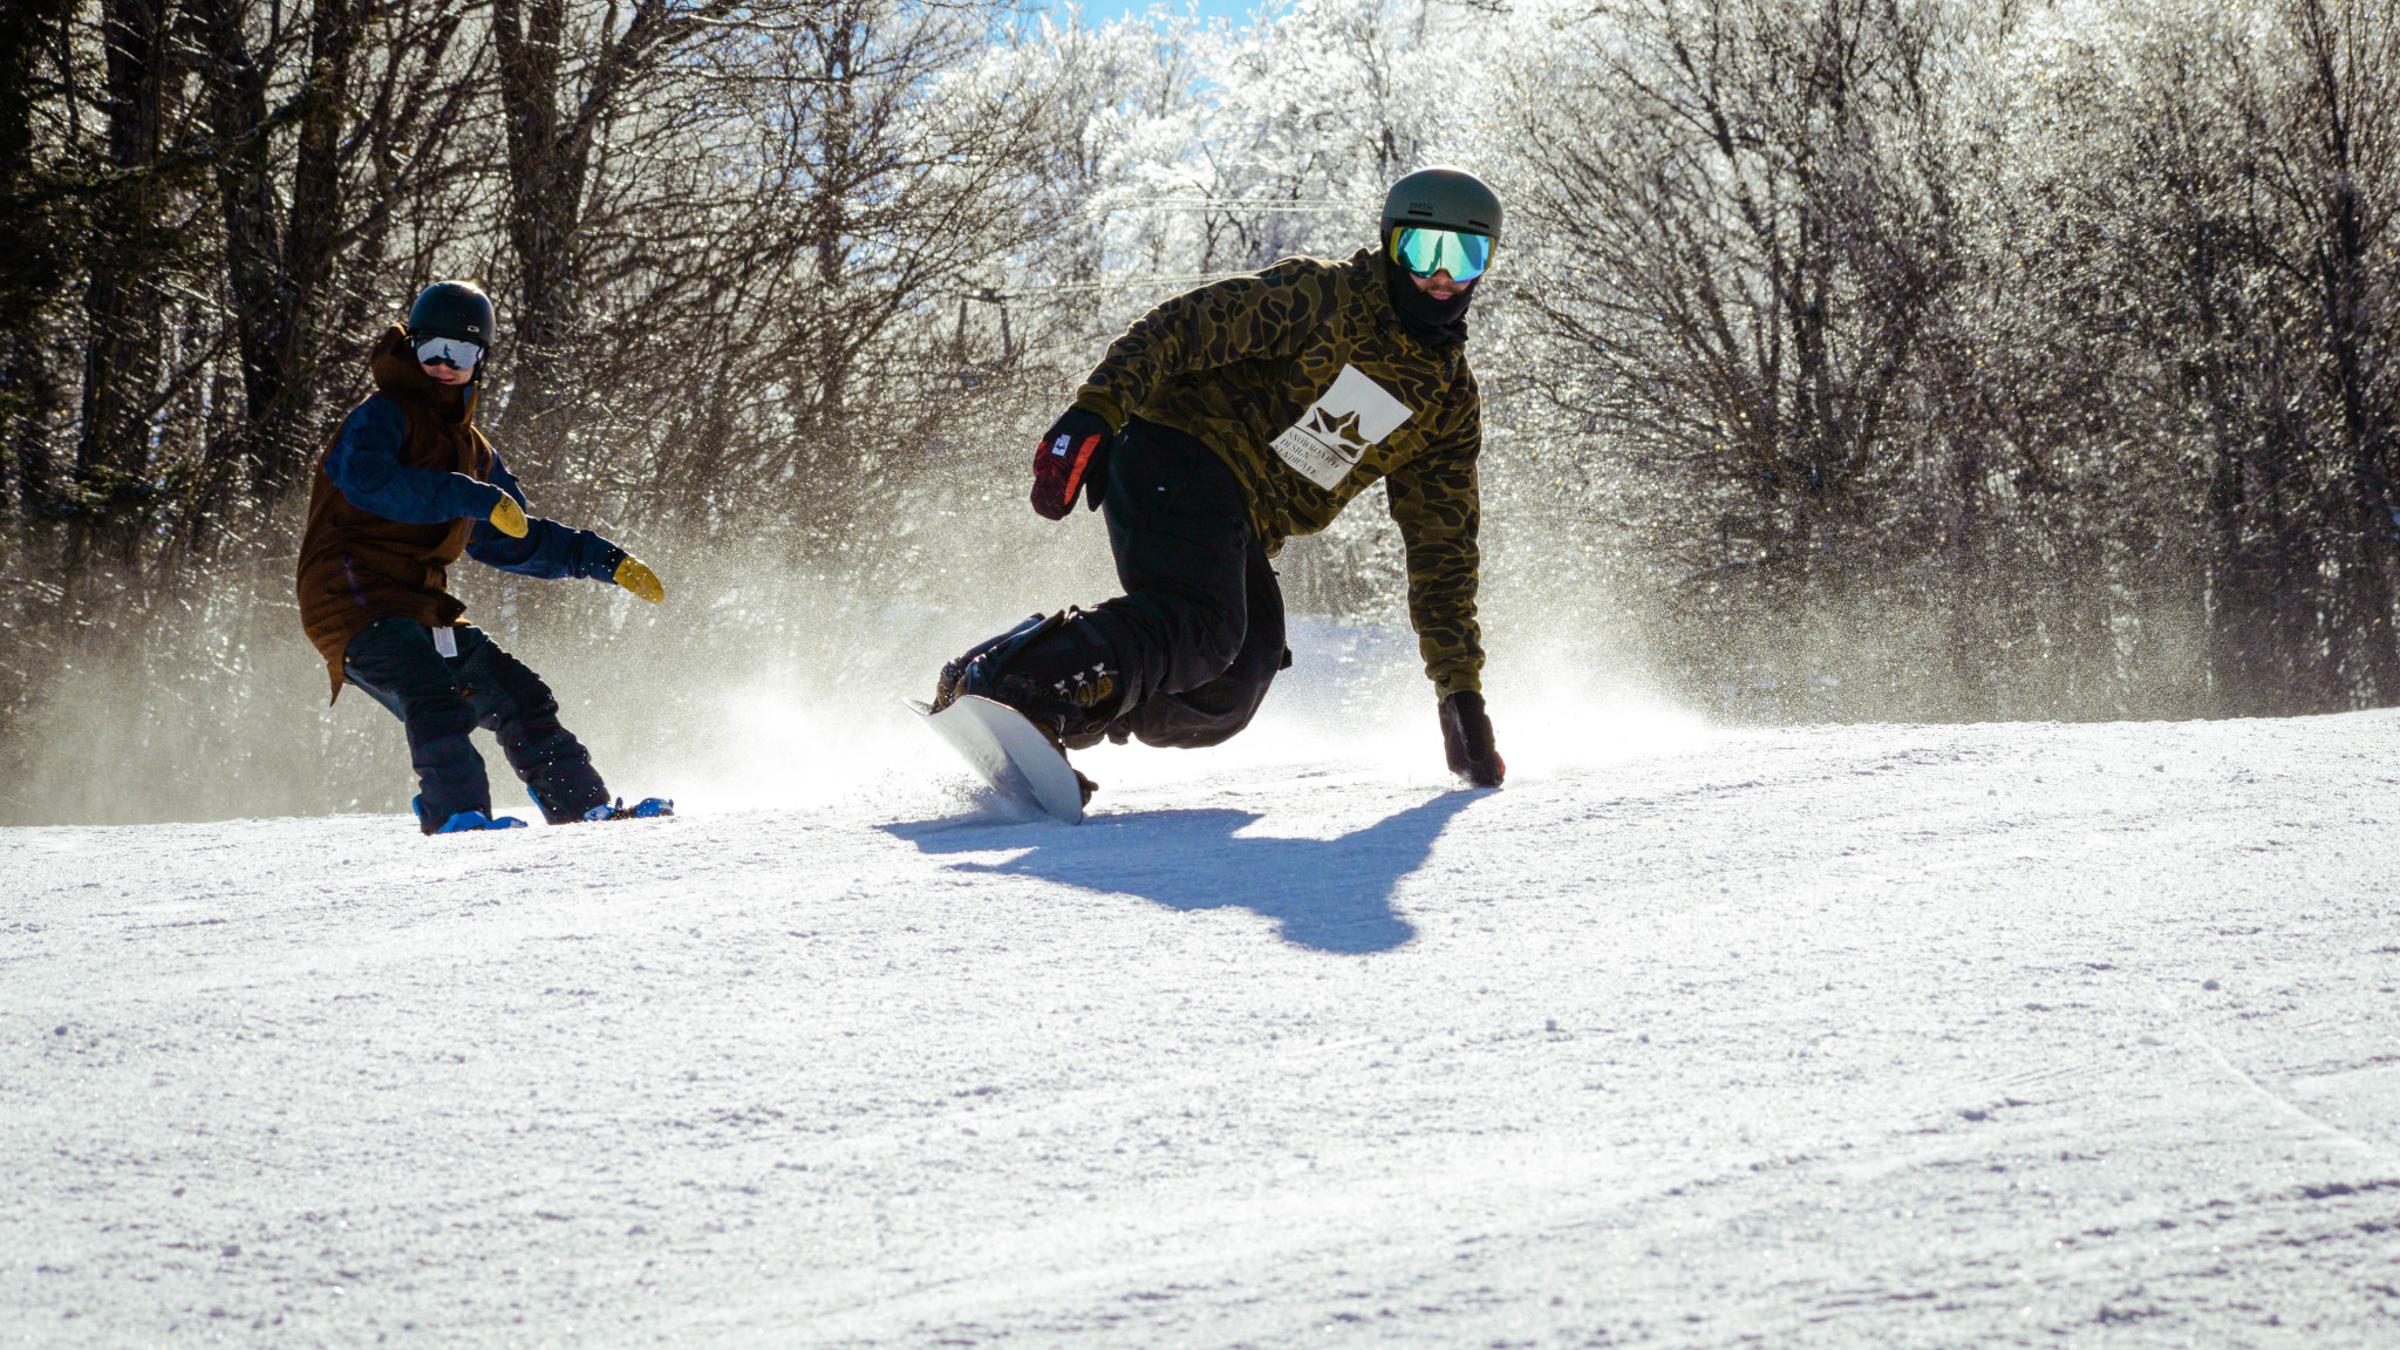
(2250, 212)
(1757, 238)
(565, 70)
(123, 304)
(33, 272)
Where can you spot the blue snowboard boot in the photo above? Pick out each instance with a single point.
(462, 821)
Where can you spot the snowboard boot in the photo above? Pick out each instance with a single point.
(557, 772)
(1057, 670)
(460, 822)
(983, 659)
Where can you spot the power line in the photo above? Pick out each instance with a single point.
(1093, 287)
(1270, 206)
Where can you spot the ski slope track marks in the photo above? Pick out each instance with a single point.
(1995, 1035)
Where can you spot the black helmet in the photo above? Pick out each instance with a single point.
(1445, 199)
(453, 309)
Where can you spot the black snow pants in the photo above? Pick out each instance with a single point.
(1199, 631)
(440, 698)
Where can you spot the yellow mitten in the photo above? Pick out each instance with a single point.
(639, 579)
(509, 518)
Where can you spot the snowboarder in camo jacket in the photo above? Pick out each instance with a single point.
(1232, 417)
(407, 485)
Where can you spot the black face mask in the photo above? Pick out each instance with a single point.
(1441, 322)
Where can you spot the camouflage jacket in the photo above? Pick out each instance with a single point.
(1305, 383)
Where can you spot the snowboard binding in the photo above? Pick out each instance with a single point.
(648, 808)
(1058, 670)
(1054, 670)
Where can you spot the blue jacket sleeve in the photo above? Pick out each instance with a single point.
(365, 465)
(549, 550)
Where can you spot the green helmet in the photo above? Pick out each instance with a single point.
(453, 309)
(1443, 198)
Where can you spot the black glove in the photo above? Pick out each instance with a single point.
(1467, 740)
(1073, 457)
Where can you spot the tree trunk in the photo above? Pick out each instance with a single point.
(285, 428)
(122, 362)
(2242, 610)
(31, 270)
(546, 163)
(279, 270)
(554, 107)
(2358, 382)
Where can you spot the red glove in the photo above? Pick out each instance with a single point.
(1072, 458)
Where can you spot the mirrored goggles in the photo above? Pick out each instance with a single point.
(1425, 252)
(452, 352)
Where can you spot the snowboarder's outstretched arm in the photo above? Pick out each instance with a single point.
(365, 464)
(551, 551)
(1438, 504)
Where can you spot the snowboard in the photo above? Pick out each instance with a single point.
(1009, 753)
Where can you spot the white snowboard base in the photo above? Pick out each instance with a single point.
(1010, 753)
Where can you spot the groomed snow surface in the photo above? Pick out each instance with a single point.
(1997, 1035)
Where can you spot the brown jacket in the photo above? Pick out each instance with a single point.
(356, 566)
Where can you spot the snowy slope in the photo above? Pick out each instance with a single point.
(1993, 1034)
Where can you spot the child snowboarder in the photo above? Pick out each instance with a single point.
(1234, 416)
(405, 487)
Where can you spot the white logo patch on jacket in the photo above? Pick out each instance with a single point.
(1343, 424)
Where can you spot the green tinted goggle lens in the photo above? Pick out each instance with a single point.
(1425, 252)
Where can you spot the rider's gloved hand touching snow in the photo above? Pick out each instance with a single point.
(1467, 740)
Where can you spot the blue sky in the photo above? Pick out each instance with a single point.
(1100, 11)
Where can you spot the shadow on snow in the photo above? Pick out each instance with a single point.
(1330, 895)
